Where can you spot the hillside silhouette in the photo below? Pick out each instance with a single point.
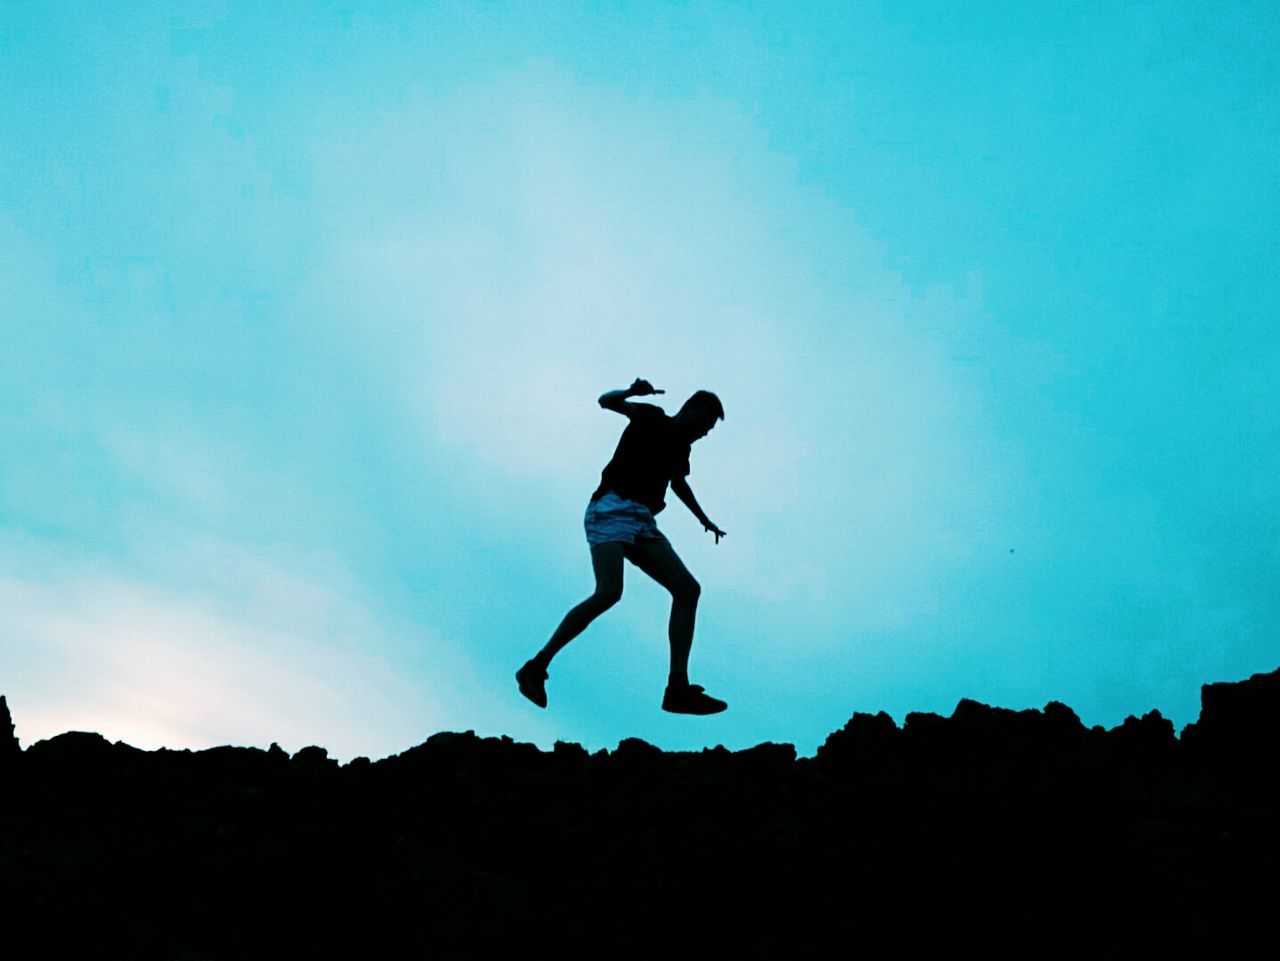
(1006, 832)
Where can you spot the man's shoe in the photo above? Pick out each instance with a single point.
(532, 679)
(690, 699)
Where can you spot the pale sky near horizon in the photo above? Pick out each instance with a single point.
(305, 310)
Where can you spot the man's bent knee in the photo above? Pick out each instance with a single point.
(605, 598)
(687, 590)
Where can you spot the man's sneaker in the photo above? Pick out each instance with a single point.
(690, 699)
(532, 679)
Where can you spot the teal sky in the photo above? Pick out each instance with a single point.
(305, 308)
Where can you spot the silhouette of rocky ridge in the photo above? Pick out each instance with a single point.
(1006, 832)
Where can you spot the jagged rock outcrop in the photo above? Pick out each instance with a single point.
(1010, 832)
(9, 746)
(1239, 723)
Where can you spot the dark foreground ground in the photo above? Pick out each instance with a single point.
(995, 831)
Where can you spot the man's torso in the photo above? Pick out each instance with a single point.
(649, 454)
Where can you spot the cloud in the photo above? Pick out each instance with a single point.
(574, 238)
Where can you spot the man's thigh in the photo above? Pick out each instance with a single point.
(657, 558)
(606, 561)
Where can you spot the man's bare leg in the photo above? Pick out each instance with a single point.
(606, 561)
(658, 559)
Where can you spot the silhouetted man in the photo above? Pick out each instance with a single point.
(653, 451)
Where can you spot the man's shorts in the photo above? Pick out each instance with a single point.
(614, 518)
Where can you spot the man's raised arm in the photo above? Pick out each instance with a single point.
(617, 399)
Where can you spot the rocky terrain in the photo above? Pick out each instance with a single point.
(1003, 832)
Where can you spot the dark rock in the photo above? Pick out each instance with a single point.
(865, 739)
(9, 746)
(77, 749)
(1062, 719)
(1151, 736)
(1239, 722)
(989, 827)
(768, 754)
(313, 758)
(633, 749)
(569, 750)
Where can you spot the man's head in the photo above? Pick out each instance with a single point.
(700, 413)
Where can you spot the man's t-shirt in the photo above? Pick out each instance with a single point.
(650, 453)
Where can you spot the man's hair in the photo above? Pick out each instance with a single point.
(704, 398)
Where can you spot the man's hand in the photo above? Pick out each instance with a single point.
(616, 399)
(680, 487)
(640, 387)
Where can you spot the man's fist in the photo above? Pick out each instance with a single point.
(639, 387)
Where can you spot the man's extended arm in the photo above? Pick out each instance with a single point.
(617, 399)
(680, 487)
